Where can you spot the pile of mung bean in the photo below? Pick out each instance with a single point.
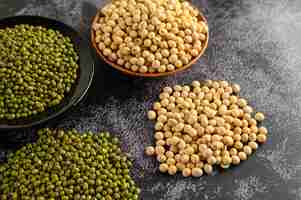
(38, 66)
(68, 165)
(203, 125)
(149, 36)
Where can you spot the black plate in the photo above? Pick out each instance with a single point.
(85, 72)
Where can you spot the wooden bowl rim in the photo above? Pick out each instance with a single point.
(131, 73)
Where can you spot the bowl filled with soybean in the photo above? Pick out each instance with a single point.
(150, 38)
(45, 69)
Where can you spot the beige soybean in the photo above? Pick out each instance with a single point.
(151, 37)
(201, 126)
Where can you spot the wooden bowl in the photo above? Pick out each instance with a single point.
(156, 74)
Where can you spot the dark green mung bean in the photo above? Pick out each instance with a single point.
(68, 165)
(37, 68)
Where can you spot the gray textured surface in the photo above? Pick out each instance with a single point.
(255, 43)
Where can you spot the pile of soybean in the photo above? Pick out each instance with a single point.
(38, 66)
(68, 165)
(203, 125)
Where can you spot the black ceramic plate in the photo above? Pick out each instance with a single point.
(85, 72)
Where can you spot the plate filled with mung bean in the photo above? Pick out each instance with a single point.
(45, 69)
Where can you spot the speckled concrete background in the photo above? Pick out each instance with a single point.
(255, 43)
